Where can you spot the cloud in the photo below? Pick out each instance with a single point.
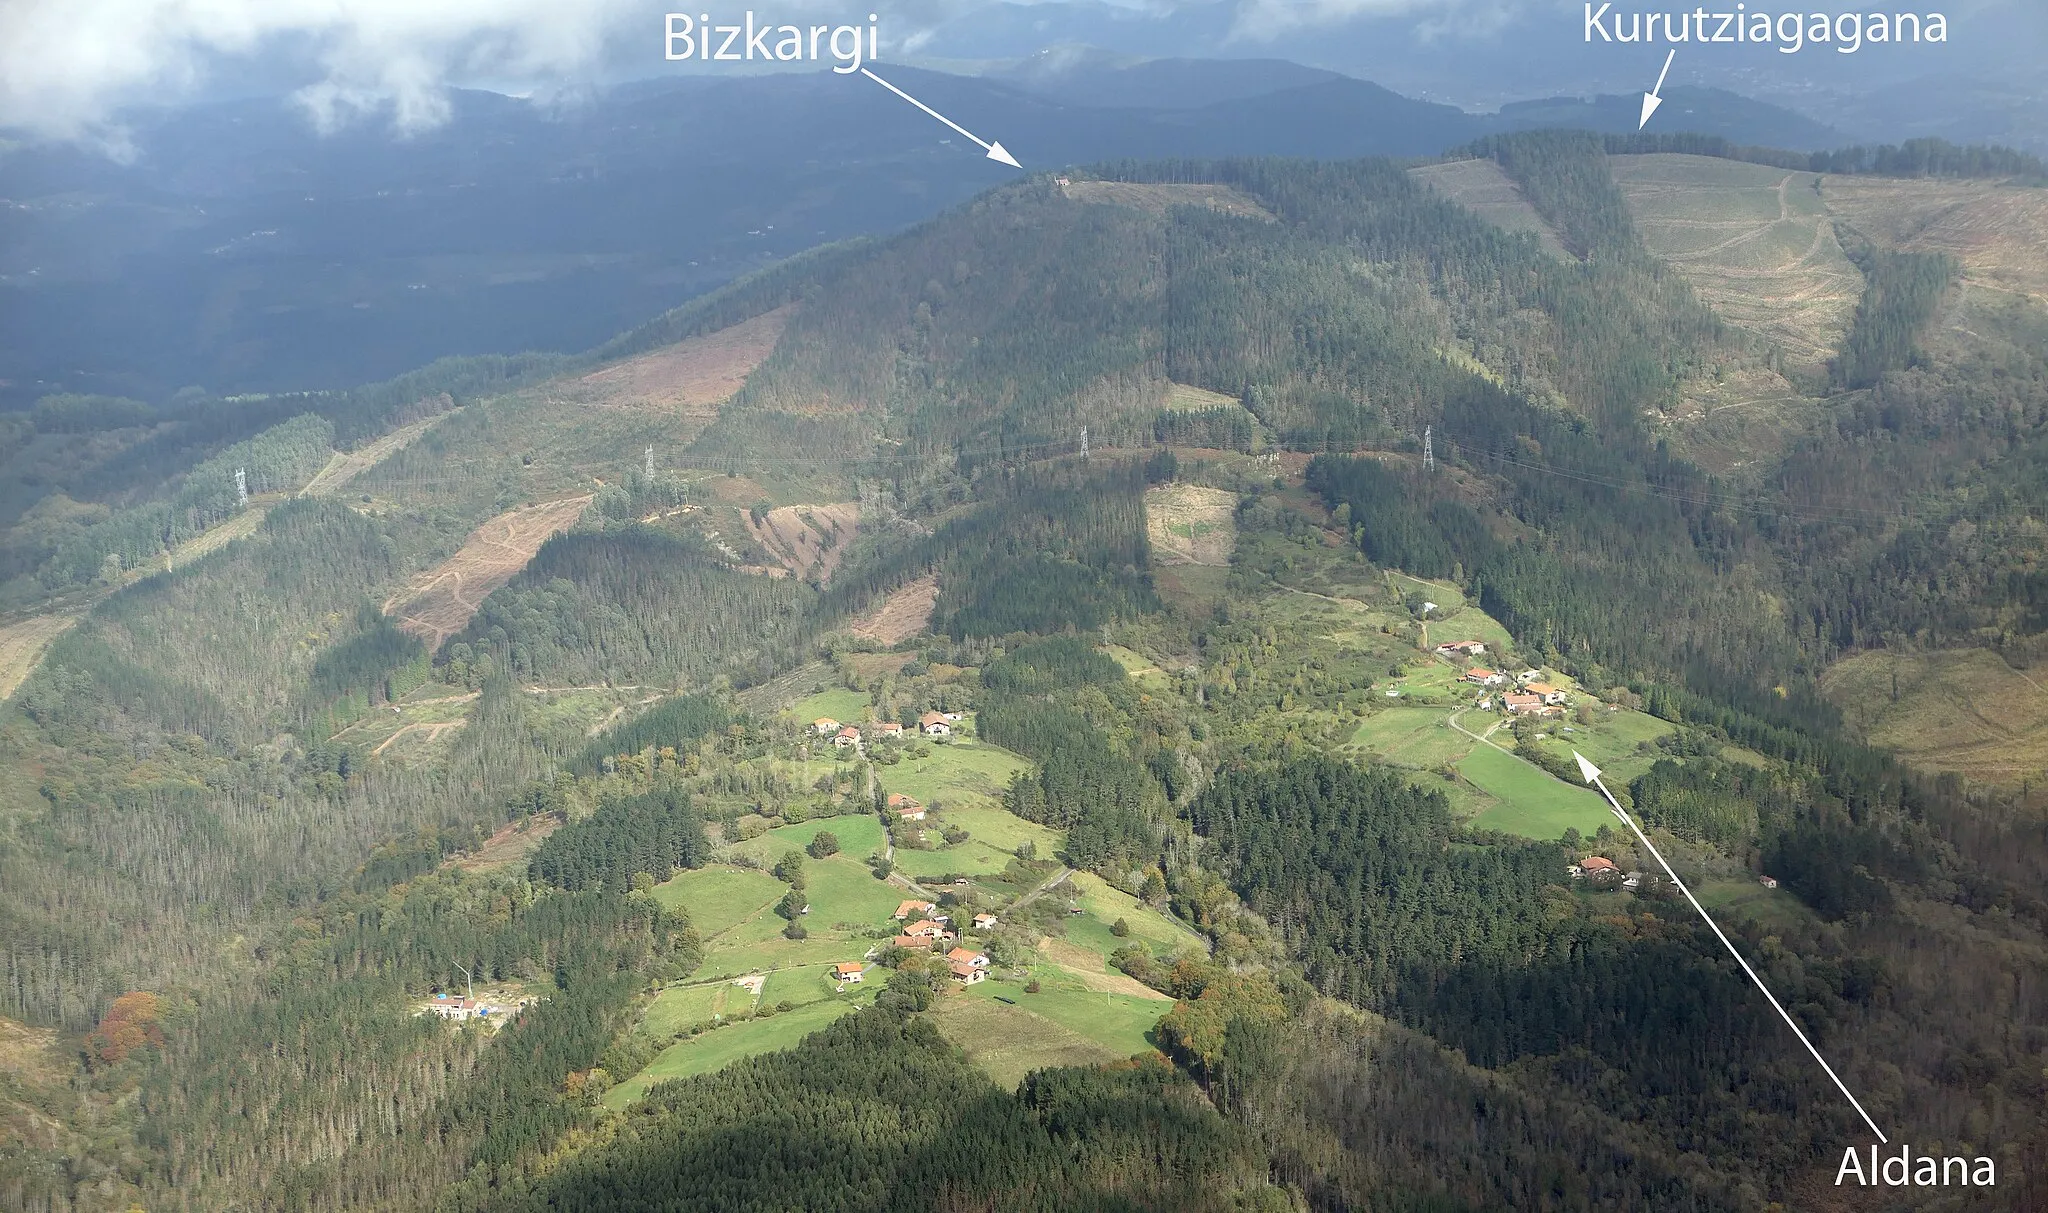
(1264, 20)
(67, 65)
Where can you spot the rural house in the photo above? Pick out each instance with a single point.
(905, 808)
(1485, 677)
(983, 922)
(457, 1008)
(1518, 703)
(1544, 691)
(933, 724)
(888, 728)
(925, 928)
(1769, 882)
(848, 736)
(1462, 648)
(1595, 866)
(824, 726)
(906, 909)
(913, 943)
(847, 972)
(968, 966)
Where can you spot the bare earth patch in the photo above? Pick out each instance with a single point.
(1481, 187)
(345, 467)
(808, 538)
(1998, 232)
(509, 846)
(903, 614)
(1158, 198)
(22, 645)
(1189, 524)
(1757, 243)
(690, 378)
(438, 603)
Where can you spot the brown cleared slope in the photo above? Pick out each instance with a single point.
(1758, 244)
(439, 602)
(1483, 188)
(688, 379)
(1998, 232)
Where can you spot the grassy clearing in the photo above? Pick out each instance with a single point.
(1104, 904)
(1612, 739)
(842, 705)
(1003, 829)
(960, 774)
(717, 1049)
(678, 1007)
(1471, 623)
(1532, 804)
(717, 898)
(1120, 1023)
(1189, 524)
(1482, 187)
(1958, 710)
(850, 913)
(803, 985)
(1746, 900)
(974, 859)
(1421, 738)
(859, 835)
(1009, 1041)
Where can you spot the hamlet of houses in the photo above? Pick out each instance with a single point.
(1529, 696)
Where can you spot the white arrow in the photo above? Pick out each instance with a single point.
(1592, 774)
(1650, 99)
(995, 151)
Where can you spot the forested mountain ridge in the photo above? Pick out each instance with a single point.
(213, 808)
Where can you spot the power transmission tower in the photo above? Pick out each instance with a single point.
(650, 461)
(1428, 450)
(1084, 442)
(242, 487)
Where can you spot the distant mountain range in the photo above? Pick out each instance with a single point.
(241, 252)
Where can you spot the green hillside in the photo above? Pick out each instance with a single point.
(1284, 912)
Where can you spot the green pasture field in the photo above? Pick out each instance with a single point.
(721, 1047)
(1009, 1041)
(974, 859)
(1532, 803)
(962, 772)
(1104, 904)
(1120, 1023)
(1003, 829)
(1736, 900)
(859, 835)
(1611, 741)
(1416, 737)
(842, 705)
(677, 1007)
(717, 897)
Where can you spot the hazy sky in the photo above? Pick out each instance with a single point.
(66, 66)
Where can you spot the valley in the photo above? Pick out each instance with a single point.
(880, 789)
